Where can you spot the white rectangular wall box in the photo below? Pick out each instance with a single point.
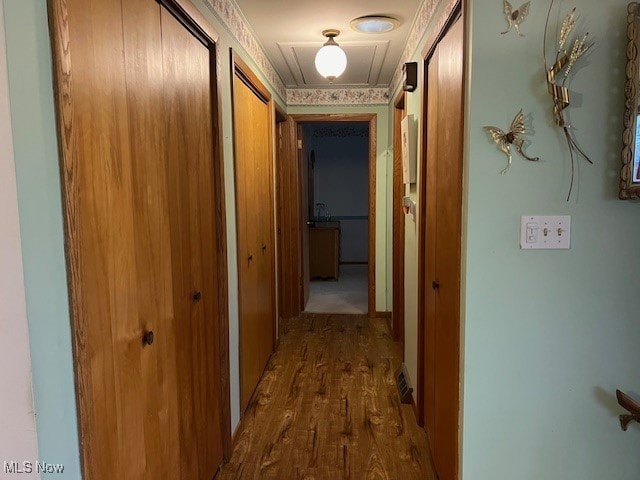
(545, 232)
(409, 159)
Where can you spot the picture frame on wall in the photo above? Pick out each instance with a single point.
(409, 158)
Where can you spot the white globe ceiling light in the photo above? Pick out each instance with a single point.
(375, 24)
(331, 61)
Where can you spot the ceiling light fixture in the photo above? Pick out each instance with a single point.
(375, 24)
(331, 61)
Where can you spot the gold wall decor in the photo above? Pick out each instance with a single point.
(515, 17)
(515, 137)
(569, 49)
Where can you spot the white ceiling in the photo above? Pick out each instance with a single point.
(291, 34)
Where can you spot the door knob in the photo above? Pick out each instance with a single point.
(197, 296)
(264, 247)
(250, 258)
(147, 338)
(435, 285)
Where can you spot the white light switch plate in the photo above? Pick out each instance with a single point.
(545, 232)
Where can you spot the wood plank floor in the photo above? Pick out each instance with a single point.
(327, 408)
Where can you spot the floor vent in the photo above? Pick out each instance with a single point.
(402, 382)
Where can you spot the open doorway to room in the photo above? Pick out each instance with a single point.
(326, 177)
(336, 177)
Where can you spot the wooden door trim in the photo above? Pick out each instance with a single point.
(193, 20)
(398, 225)
(371, 118)
(454, 14)
(287, 209)
(221, 236)
(454, 11)
(190, 17)
(244, 73)
(250, 79)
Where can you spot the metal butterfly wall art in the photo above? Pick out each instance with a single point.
(516, 17)
(513, 137)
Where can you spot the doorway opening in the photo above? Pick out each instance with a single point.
(327, 176)
(336, 177)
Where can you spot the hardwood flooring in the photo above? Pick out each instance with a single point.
(327, 408)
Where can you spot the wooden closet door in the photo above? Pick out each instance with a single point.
(443, 250)
(264, 206)
(254, 211)
(142, 33)
(189, 160)
(108, 275)
(135, 128)
(247, 230)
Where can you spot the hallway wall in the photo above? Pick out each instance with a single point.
(17, 420)
(40, 211)
(549, 335)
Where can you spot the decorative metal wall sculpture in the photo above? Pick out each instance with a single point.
(513, 137)
(558, 76)
(515, 18)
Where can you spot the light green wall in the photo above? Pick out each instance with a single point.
(383, 264)
(549, 335)
(36, 157)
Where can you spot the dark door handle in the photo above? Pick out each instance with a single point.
(197, 296)
(147, 338)
(250, 258)
(435, 285)
(311, 224)
(264, 247)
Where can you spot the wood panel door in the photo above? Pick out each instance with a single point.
(189, 159)
(252, 131)
(288, 220)
(441, 231)
(135, 113)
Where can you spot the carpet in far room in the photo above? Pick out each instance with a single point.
(347, 295)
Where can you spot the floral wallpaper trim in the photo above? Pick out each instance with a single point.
(338, 96)
(420, 25)
(340, 132)
(231, 16)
